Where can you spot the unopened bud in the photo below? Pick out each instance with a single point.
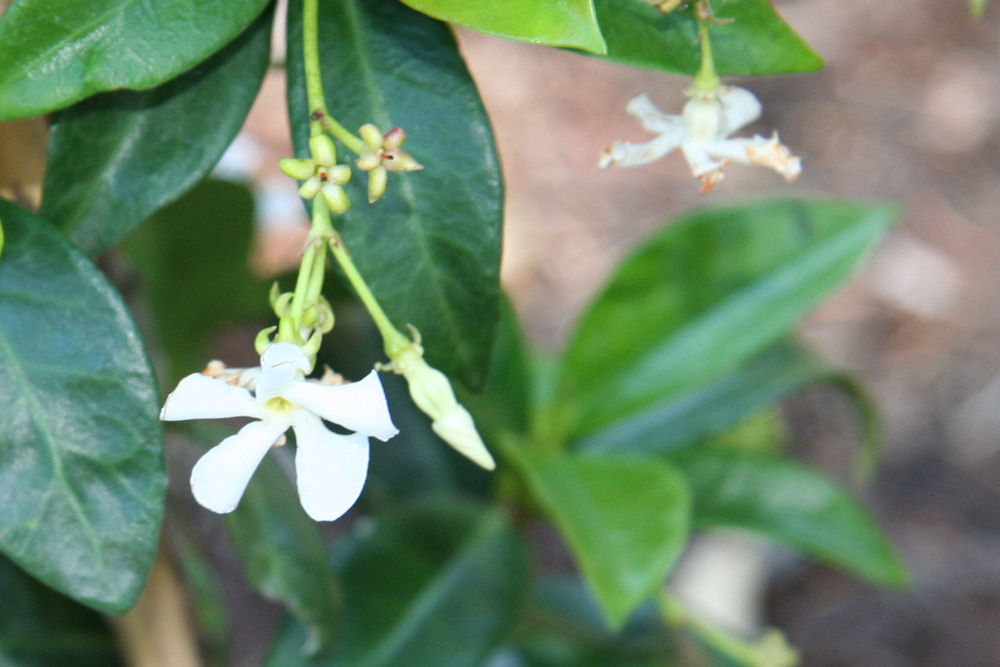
(296, 168)
(458, 430)
(336, 198)
(323, 152)
(394, 138)
(310, 188)
(377, 180)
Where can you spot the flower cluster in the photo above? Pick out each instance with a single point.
(701, 133)
(330, 468)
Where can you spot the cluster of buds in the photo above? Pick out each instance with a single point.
(321, 174)
(383, 154)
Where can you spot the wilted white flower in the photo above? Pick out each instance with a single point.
(701, 133)
(330, 467)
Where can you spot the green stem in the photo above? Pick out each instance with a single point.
(706, 80)
(299, 304)
(393, 341)
(764, 653)
(320, 118)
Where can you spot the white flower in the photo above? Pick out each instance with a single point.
(700, 132)
(330, 467)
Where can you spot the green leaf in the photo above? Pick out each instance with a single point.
(791, 503)
(116, 158)
(709, 410)
(192, 261)
(625, 520)
(564, 626)
(436, 584)
(756, 41)
(710, 291)
(503, 405)
(283, 555)
(81, 450)
(57, 52)
(552, 22)
(429, 249)
(41, 627)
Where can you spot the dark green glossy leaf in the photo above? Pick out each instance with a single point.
(503, 405)
(435, 584)
(429, 249)
(563, 625)
(689, 418)
(756, 41)
(625, 520)
(116, 158)
(791, 503)
(39, 627)
(192, 261)
(552, 22)
(283, 555)
(702, 297)
(57, 52)
(81, 450)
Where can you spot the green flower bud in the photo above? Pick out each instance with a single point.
(323, 152)
(296, 168)
(377, 180)
(336, 198)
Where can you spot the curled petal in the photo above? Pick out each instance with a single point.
(202, 397)
(358, 406)
(652, 118)
(740, 107)
(627, 154)
(220, 476)
(330, 468)
(769, 153)
(458, 430)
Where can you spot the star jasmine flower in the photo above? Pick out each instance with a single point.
(330, 468)
(701, 132)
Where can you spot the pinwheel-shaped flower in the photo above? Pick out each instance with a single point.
(383, 154)
(330, 467)
(701, 133)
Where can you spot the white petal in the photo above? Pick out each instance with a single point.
(769, 153)
(699, 159)
(652, 118)
(459, 431)
(740, 107)
(358, 406)
(201, 397)
(220, 476)
(627, 154)
(330, 468)
(282, 364)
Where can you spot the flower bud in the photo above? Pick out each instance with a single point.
(432, 392)
(377, 180)
(336, 198)
(263, 339)
(323, 152)
(371, 136)
(296, 168)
